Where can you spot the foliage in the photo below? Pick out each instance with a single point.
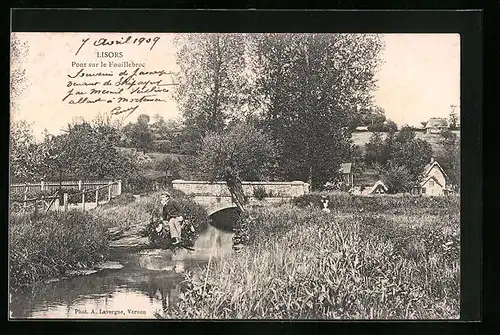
(210, 82)
(312, 87)
(386, 126)
(453, 119)
(410, 152)
(25, 158)
(87, 151)
(306, 264)
(169, 164)
(139, 134)
(449, 157)
(259, 192)
(140, 184)
(345, 203)
(53, 244)
(397, 178)
(376, 150)
(248, 150)
(400, 157)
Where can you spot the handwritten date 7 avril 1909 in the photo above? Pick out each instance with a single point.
(142, 89)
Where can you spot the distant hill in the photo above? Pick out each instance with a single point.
(361, 138)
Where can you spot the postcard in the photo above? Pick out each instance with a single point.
(297, 176)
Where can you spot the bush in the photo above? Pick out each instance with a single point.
(163, 146)
(52, 244)
(259, 192)
(345, 203)
(139, 184)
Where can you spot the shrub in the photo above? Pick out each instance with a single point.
(139, 184)
(50, 245)
(259, 192)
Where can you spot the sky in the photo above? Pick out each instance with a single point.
(419, 77)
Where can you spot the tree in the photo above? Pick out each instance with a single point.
(143, 119)
(312, 86)
(396, 177)
(240, 152)
(410, 152)
(25, 156)
(210, 82)
(400, 157)
(18, 84)
(248, 152)
(376, 150)
(138, 134)
(86, 152)
(449, 157)
(453, 118)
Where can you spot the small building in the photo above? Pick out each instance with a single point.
(347, 175)
(433, 180)
(436, 125)
(378, 188)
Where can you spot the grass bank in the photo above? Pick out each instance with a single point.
(368, 261)
(48, 245)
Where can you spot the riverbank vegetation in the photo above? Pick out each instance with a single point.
(48, 245)
(372, 258)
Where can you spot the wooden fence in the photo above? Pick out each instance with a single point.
(53, 186)
(113, 190)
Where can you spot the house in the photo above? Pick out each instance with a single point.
(436, 125)
(378, 188)
(347, 174)
(433, 180)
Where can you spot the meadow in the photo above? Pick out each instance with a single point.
(369, 258)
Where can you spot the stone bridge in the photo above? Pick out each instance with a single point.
(215, 196)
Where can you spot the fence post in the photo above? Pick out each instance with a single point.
(79, 185)
(83, 201)
(97, 197)
(65, 199)
(109, 191)
(25, 196)
(119, 187)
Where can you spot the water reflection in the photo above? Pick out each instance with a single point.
(148, 283)
(132, 292)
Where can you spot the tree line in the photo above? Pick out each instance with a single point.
(268, 106)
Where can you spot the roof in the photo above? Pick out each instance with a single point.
(432, 165)
(345, 168)
(429, 178)
(376, 185)
(435, 122)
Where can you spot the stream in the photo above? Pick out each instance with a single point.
(135, 282)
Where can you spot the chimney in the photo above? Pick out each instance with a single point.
(432, 160)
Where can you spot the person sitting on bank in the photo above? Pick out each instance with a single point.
(171, 216)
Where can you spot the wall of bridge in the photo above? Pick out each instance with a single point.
(219, 189)
(215, 196)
